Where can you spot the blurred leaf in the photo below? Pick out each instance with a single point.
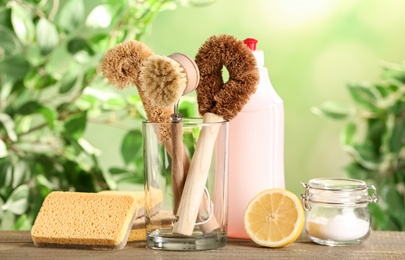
(72, 15)
(47, 36)
(348, 134)
(363, 155)
(116, 170)
(5, 17)
(135, 100)
(397, 140)
(21, 173)
(76, 125)
(35, 80)
(79, 44)
(68, 81)
(17, 203)
(379, 218)
(386, 88)
(42, 180)
(6, 174)
(188, 107)
(90, 149)
(3, 149)
(29, 108)
(100, 16)
(48, 58)
(364, 96)
(85, 58)
(14, 67)
(398, 109)
(49, 115)
(9, 126)
(9, 43)
(23, 26)
(6, 90)
(131, 146)
(79, 178)
(394, 200)
(86, 102)
(1, 206)
(189, 139)
(7, 221)
(334, 110)
(59, 61)
(355, 171)
(172, 5)
(115, 103)
(131, 178)
(375, 131)
(395, 72)
(23, 223)
(33, 107)
(121, 176)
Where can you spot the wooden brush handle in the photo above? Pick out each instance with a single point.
(193, 191)
(178, 177)
(180, 167)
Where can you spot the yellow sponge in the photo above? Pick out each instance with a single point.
(156, 200)
(84, 220)
(138, 230)
(165, 219)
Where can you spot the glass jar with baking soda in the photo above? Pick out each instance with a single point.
(336, 210)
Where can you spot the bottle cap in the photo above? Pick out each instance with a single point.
(259, 55)
(251, 43)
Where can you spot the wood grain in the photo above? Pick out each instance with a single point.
(380, 245)
(197, 176)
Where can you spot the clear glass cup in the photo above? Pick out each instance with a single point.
(186, 167)
(337, 210)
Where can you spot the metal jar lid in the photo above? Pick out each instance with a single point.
(337, 191)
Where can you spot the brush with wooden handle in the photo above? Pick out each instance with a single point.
(193, 77)
(180, 161)
(122, 66)
(164, 80)
(163, 83)
(217, 101)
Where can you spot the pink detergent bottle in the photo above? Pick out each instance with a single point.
(256, 148)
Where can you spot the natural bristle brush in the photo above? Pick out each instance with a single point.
(164, 81)
(122, 67)
(217, 101)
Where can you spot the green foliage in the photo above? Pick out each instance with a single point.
(374, 136)
(50, 90)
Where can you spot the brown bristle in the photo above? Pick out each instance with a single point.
(162, 81)
(215, 96)
(121, 64)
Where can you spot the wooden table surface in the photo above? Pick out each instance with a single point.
(380, 245)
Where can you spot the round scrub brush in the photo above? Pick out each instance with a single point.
(217, 101)
(122, 64)
(164, 80)
(122, 67)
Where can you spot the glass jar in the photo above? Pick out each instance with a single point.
(336, 210)
(186, 206)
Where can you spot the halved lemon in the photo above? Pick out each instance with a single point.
(274, 218)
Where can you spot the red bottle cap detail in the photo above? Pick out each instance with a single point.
(251, 43)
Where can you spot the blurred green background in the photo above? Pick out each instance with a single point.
(63, 127)
(312, 50)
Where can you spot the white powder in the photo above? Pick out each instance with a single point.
(340, 228)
